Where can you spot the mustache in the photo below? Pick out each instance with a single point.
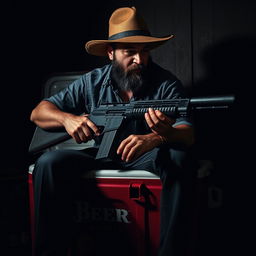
(135, 67)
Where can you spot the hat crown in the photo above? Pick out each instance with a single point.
(125, 26)
(126, 19)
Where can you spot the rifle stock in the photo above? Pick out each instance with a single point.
(112, 115)
(43, 139)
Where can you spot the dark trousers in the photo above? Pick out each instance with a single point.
(57, 173)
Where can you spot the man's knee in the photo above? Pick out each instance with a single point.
(55, 162)
(62, 162)
(179, 157)
(51, 158)
(174, 163)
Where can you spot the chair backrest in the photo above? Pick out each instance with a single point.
(59, 81)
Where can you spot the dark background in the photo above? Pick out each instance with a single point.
(213, 53)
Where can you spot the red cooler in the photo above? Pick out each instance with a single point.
(116, 212)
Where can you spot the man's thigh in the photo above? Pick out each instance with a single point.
(163, 161)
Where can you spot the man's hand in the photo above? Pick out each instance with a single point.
(81, 128)
(48, 116)
(159, 123)
(136, 145)
(179, 136)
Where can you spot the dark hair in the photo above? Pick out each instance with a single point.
(113, 45)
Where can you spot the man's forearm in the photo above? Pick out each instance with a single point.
(47, 115)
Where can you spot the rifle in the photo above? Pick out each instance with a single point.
(111, 117)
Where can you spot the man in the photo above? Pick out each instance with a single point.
(156, 145)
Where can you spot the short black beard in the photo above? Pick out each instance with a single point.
(129, 81)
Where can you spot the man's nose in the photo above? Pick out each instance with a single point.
(138, 58)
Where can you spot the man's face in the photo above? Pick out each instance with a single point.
(130, 56)
(129, 66)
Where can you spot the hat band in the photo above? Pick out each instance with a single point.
(129, 33)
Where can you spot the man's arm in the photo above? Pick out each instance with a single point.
(181, 135)
(48, 116)
(162, 132)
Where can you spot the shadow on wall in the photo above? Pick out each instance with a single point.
(226, 138)
(229, 69)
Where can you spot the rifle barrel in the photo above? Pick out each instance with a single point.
(223, 101)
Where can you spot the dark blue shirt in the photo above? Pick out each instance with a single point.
(96, 87)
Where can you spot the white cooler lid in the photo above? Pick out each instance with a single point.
(125, 174)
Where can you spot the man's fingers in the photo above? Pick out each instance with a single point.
(77, 138)
(153, 116)
(149, 120)
(164, 118)
(85, 133)
(157, 119)
(135, 145)
(92, 126)
(82, 134)
(121, 147)
(160, 115)
(152, 120)
(157, 116)
(133, 153)
(127, 148)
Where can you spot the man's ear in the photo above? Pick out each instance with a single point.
(110, 52)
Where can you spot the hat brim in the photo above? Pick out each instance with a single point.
(99, 47)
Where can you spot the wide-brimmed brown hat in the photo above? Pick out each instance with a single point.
(125, 26)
